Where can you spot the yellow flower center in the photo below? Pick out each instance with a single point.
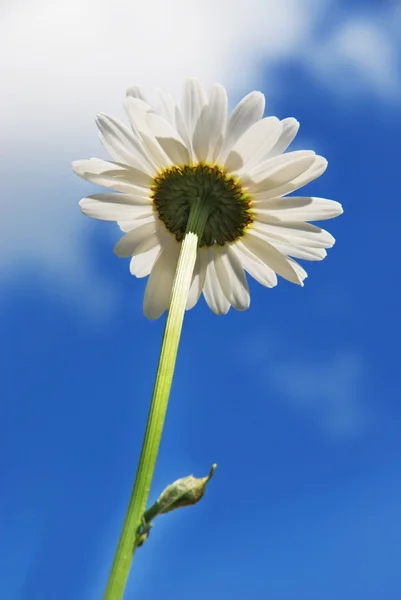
(176, 188)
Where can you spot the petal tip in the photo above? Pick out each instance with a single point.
(78, 168)
(101, 118)
(150, 314)
(243, 307)
(134, 91)
(117, 250)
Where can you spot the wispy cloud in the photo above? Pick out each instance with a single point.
(328, 392)
(360, 54)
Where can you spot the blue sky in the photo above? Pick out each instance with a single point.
(297, 399)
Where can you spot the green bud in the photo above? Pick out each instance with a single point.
(183, 492)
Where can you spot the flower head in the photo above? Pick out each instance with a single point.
(237, 166)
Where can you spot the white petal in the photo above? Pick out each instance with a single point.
(160, 283)
(279, 170)
(254, 266)
(123, 145)
(136, 108)
(298, 233)
(245, 114)
(289, 130)
(168, 109)
(200, 140)
(296, 208)
(166, 106)
(253, 144)
(218, 120)
(313, 172)
(115, 207)
(231, 276)
(142, 262)
(198, 279)
(139, 198)
(113, 175)
(304, 252)
(127, 225)
(168, 139)
(137, 111)
(135, 92)
(127, 245)
(300, 271)
(271, 257)
(212, 291)
(193, 101)
(182, 130)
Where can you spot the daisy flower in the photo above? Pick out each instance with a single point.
(237, 165)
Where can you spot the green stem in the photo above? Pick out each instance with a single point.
(154, 427)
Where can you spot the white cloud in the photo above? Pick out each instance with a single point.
(330, 392)
(65, 61)
(71, 59)
(362, 54)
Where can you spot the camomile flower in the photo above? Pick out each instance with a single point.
(237, 165)
(202, 200)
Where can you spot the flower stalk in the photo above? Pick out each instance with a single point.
(197, 220)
